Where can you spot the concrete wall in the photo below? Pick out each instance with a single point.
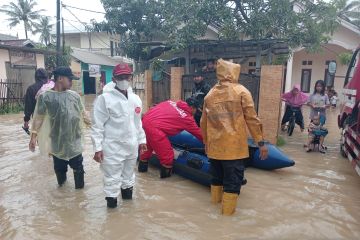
(330, 52)
(98, 40)
(77, 84)
(40, 61)
(4, 57)
(73, 40)
(346, 38)
(108, 71)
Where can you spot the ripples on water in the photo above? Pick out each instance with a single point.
(318, 198)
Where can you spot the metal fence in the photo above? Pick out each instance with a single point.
(11, 92)
(161, 87)
(250, 81)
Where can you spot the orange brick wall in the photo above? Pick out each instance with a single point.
(271, 80)
(148, 90)
(175, 84)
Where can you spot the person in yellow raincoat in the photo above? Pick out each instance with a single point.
(227, 114)
(57, 126)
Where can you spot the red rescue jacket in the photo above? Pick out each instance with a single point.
(172, 118)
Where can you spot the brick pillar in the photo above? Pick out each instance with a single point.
(271, 80)
(148, 90)
(176, 83)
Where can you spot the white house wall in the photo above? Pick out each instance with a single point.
(73, 40)
(98, 40)
(40, 61)
(345, 38)
(4, 57)
(318, 65)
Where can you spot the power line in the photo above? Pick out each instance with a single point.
(84, 25)
(72, 20)
(74, 15)
(82, 9)
(73, 25)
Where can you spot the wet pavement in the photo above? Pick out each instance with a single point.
(318, 198)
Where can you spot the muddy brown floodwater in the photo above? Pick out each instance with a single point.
(318, 198)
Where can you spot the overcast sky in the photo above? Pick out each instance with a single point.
(50, 10)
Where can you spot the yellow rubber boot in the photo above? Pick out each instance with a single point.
(229, 202)
(216, 194)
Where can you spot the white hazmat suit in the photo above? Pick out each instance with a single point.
(117, 131)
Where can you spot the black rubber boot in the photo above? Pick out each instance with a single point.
(126, 194)
(244, 182)
(165, 172)
(79, 179)
(143, 166)
(111, 202)
(61, 178)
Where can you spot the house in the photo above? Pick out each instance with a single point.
(18, 61)
(7, 37)
(94, 70)
(306, 68)
(98, 42)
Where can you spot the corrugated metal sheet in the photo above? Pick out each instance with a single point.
(86, 56)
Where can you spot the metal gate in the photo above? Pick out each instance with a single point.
(24, 75)
(250, 81)
(161, 87)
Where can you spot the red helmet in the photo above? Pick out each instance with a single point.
(122, 69)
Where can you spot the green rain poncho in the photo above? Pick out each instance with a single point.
(59, 119)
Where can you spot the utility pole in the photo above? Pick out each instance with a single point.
(89, 36)
(63, 36)
(57, 33)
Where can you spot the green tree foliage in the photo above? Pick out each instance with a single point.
(22, 11)
(345, 58)
(44, 29)
(50, 58)
(180, 22)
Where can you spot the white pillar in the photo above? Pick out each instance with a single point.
(289, 69)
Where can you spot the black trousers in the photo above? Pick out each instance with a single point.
(299, 119)
(75, 163)
(197, 117)
(227, 173)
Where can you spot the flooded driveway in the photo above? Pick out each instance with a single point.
(318, 198)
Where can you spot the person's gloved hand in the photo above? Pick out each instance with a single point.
(99, 156)
(263, 152)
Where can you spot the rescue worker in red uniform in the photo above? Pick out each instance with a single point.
(168, 118)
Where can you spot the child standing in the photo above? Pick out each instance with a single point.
(334, 99)
(319, 102)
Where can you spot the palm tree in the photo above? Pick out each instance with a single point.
(22, 11)
(351, 13)
(44, 28)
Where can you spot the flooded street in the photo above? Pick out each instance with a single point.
(318, 198)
